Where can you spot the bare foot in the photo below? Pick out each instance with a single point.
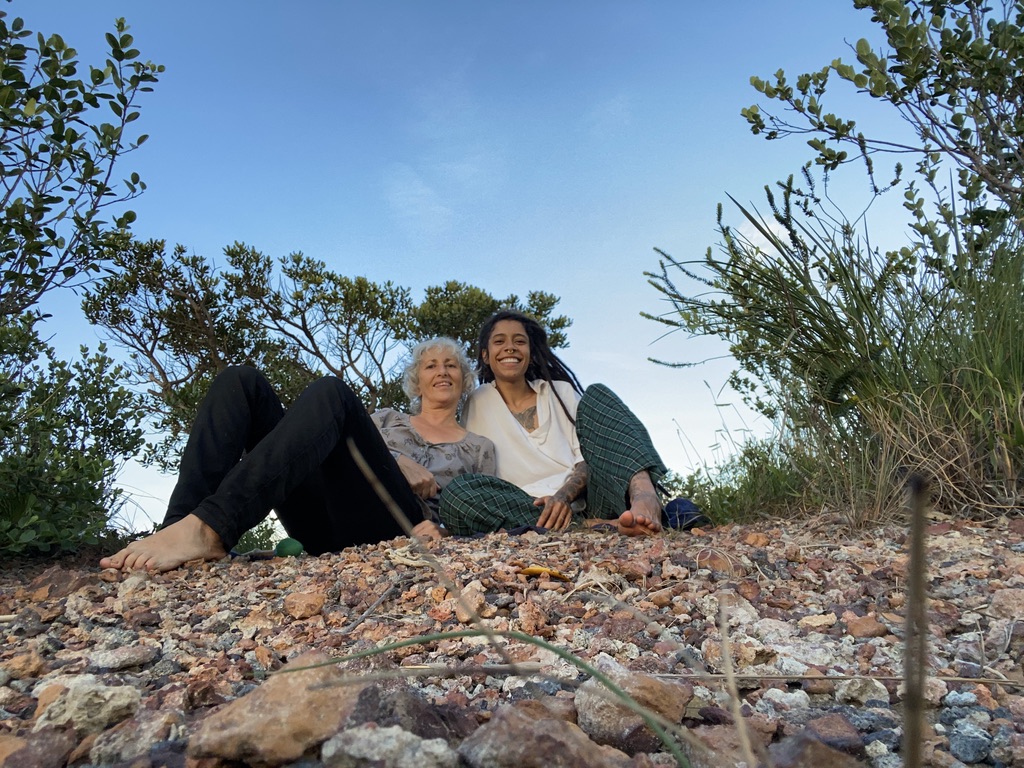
(428, 530)
(629, 523)
(632, 523)
(188, 539)
(644, 512)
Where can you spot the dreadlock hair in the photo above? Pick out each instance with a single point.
(544, 364)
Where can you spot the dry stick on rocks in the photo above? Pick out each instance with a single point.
(1003, 680)
(403, 521)
(917, 627)
(734, 693)
(359, 620)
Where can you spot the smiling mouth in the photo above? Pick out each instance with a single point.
(505, 360)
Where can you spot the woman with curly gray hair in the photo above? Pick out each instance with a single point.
(246, 455)
(411, 375)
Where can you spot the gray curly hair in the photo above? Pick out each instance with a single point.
(411, 375)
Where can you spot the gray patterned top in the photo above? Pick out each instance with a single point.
(473, 453)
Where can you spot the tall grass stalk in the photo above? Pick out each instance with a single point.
(872, 364)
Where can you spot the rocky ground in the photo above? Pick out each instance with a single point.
(221, 664)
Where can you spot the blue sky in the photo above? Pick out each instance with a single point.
(511, 145)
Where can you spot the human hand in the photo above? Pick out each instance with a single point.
(420, 479)
(428, 530)
(556, 514)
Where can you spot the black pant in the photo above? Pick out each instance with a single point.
(246, 455)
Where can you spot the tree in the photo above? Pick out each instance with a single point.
(458, 310)
(182, 319)
(59, 157)
(65, 427)
(952, 75)
(887, 361)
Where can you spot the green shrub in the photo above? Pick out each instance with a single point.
(65, 431)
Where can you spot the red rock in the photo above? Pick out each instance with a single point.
(47, 748)
(805, 750)
(864, 626)
(302, 605)
(280, 720)
(57, 582)
(720, 562)
(533, 620)
(472, 600)
(713, 746)
(1007, 604)
(816, 682)
(10, 744)
(514, 739)
(839, 733)
(749, 589)
(25, 665)
(608, 721)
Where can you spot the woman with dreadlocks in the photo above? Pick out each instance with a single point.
(560, 450)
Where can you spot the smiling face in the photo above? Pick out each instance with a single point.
(440, 377)
(508, 351)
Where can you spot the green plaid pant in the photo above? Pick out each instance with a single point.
(615, 446)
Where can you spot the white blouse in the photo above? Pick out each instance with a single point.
(539, 462)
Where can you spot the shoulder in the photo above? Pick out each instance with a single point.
(483, 391)
(565, 390)
(478, 442)
(389, 417)
(481, 451)
(483, 396)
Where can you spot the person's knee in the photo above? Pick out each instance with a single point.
(333, 394)
(599, 390)
(240, 372)
(458, 487)
(236, 377)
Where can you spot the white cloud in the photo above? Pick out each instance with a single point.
(415, 205)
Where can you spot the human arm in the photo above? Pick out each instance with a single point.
(556, 512)
(428, 530)
(420, 479)
(401, 439)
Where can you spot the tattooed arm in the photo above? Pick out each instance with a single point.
(556, 513)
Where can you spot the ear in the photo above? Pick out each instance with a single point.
(485, 356)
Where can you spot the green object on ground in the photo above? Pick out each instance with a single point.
(288, 548)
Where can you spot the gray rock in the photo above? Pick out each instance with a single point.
(367, 746)
(132, 738)
(959, 699)
(90, 706)
(125, 657)
(890, 737)
(860, 690)
(969, 743)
